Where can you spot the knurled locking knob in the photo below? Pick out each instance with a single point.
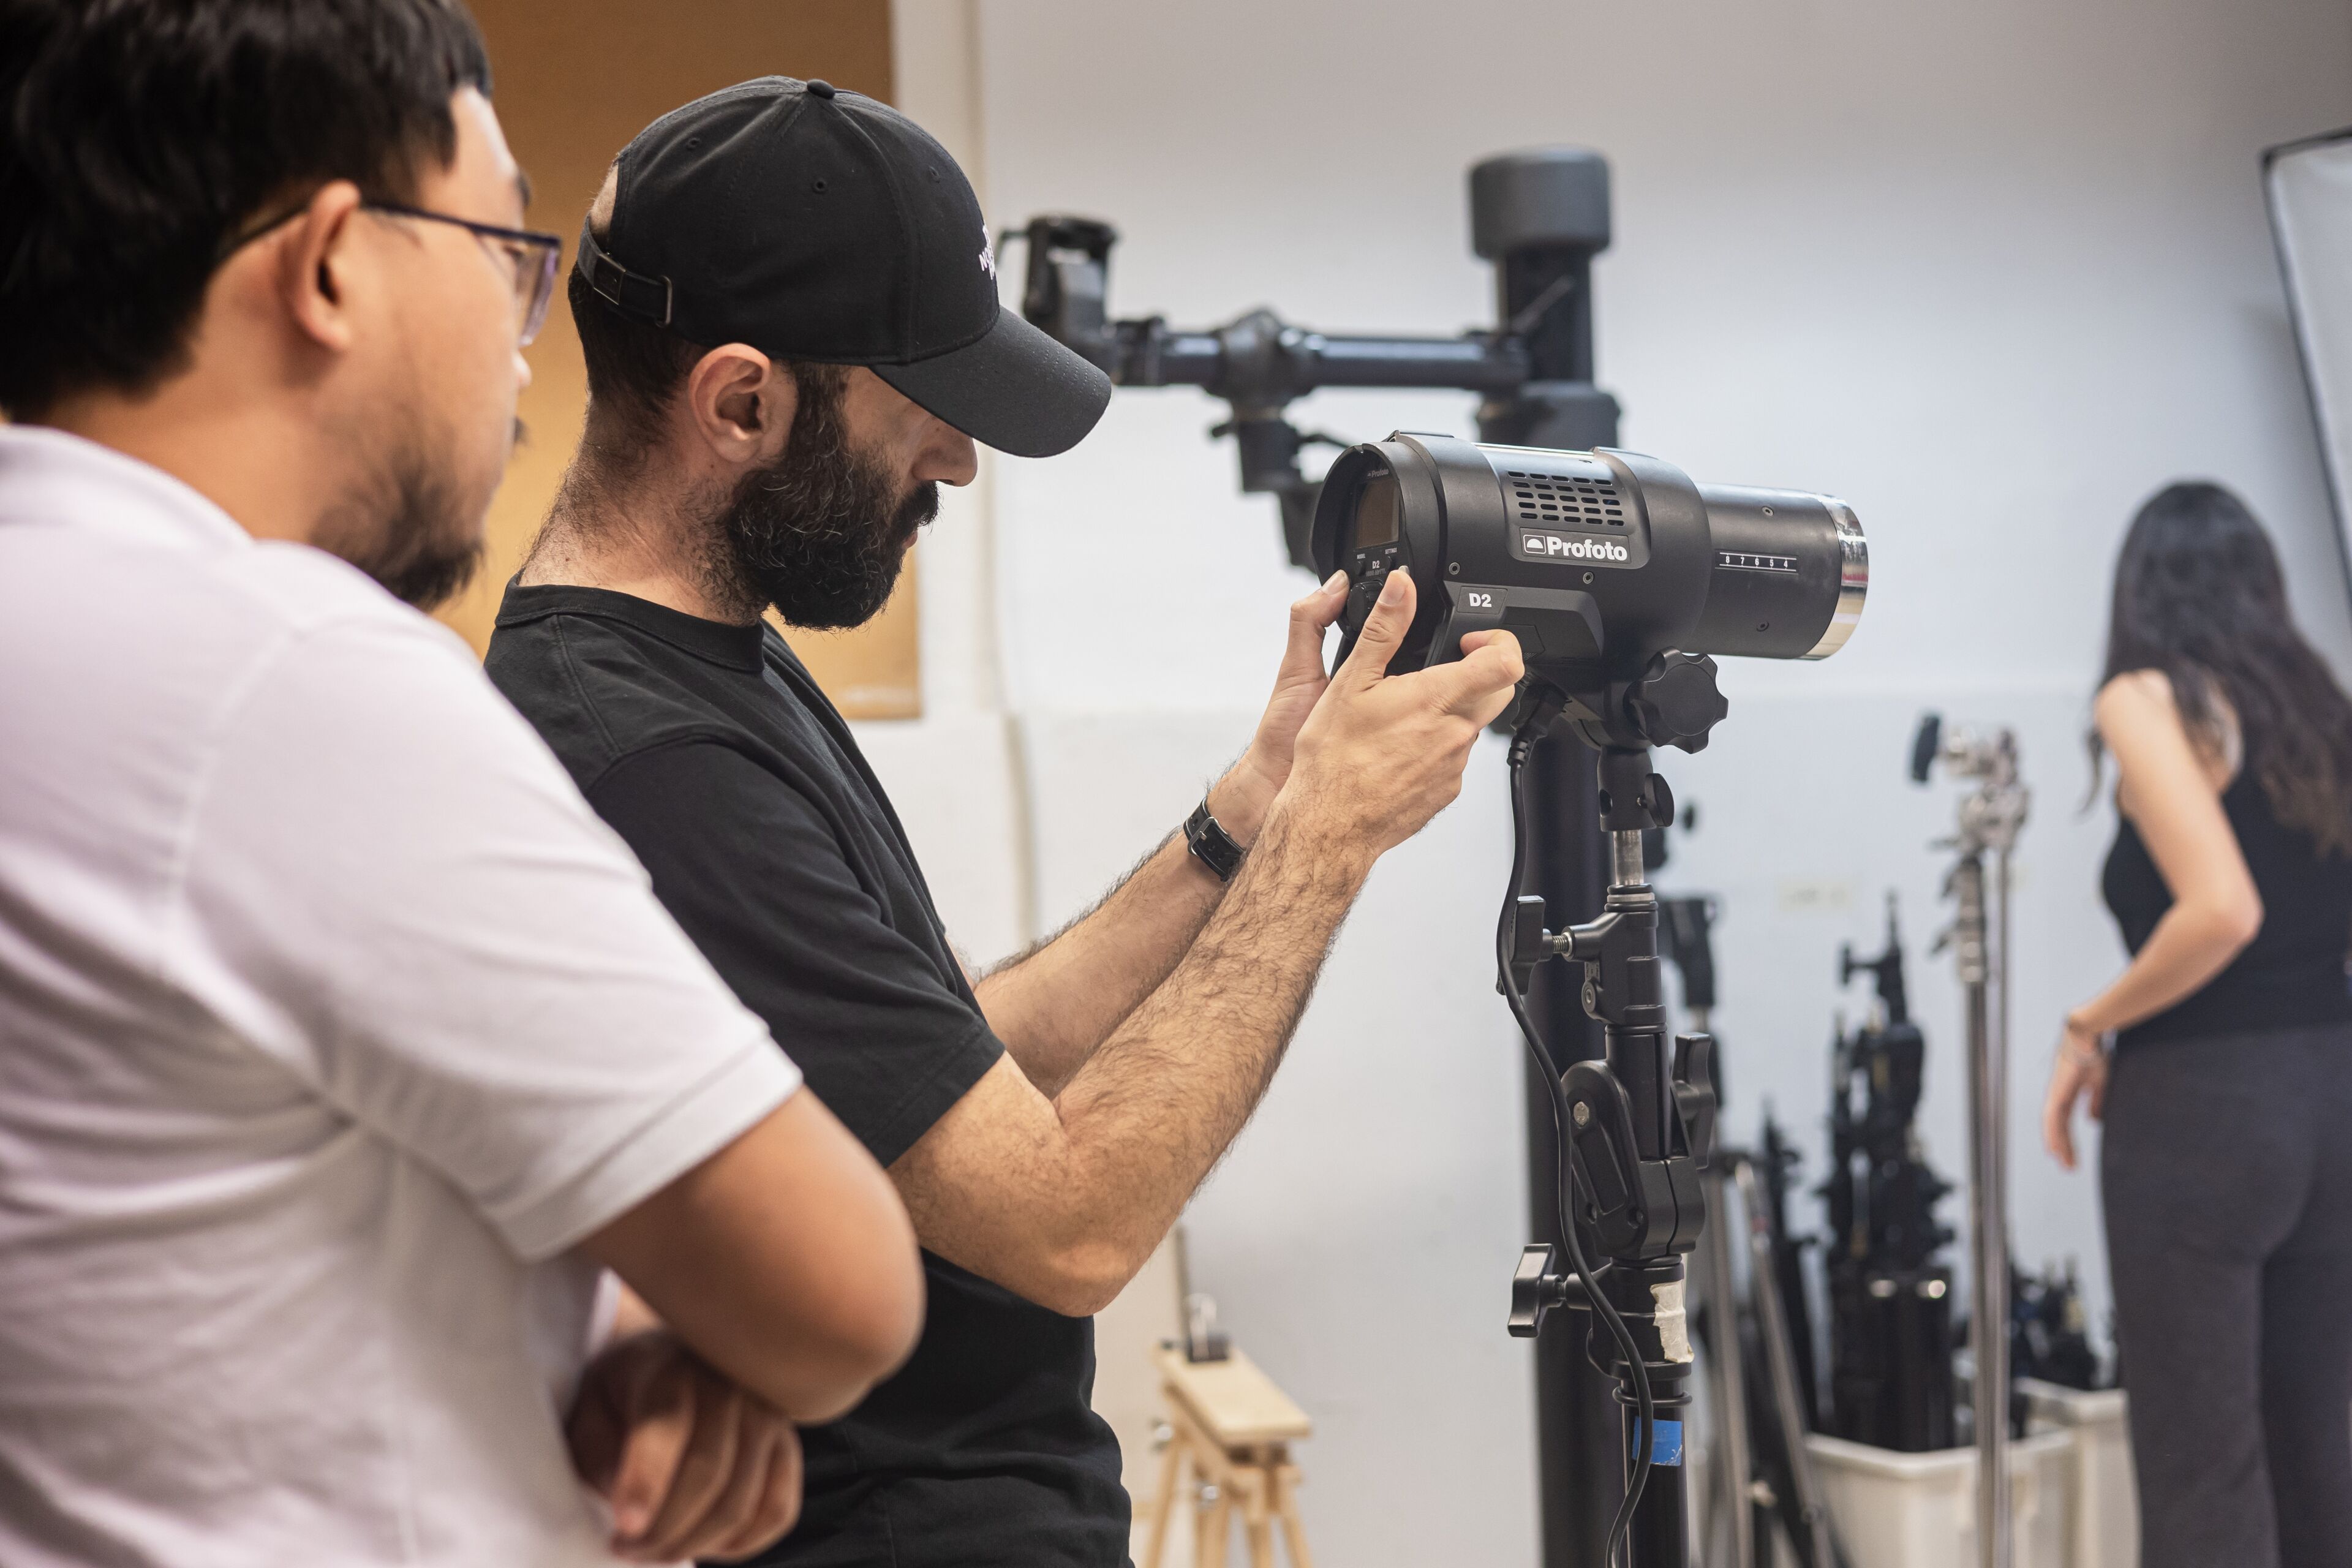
(1676, 702)
(1536, 1291)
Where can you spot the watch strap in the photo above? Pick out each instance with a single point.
(1215, 847)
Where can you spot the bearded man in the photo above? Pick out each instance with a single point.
(340, 1044)
(792, 334)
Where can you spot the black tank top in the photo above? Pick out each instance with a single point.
(2293, 973)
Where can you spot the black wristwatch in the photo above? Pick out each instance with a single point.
(1211, 844)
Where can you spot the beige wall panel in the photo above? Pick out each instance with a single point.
(575, 82)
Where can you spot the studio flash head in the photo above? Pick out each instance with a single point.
(1618, 573)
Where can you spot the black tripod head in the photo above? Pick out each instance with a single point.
(1538, 216)
(1886, 971)
(1888, 1056)
(1686, 938)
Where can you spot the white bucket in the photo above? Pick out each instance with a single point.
(1919, 1510)
(2107, 1500)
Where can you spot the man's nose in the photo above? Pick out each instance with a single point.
(950, 459)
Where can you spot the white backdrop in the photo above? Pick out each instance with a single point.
(1992, 273)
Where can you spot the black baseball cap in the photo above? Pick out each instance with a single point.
(816, 224)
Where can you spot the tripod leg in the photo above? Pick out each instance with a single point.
(1215, 1523)
(1257, 1516)
(1810, 1528)
(1727, 1510)
(1171, 1471)
(1293, 1533)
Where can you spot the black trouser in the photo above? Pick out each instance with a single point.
(2226, 1169)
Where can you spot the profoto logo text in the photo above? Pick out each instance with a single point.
(1563, 547)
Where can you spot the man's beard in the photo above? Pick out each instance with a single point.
(821, 534)
(405, 527)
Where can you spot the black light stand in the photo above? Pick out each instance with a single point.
(1639, 1122)
(1890, 1295)
(1540, 217)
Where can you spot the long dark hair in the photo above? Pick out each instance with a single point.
(2198, 595)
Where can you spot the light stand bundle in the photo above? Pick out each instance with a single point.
(1759, 1471)
(1991, 816)
(1889, 1290)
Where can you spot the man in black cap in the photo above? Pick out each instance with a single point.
(789, 309)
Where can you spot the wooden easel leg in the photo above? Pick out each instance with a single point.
(1163, 1507)
(1216, 1530)
(1260, 1520)
(1286, 1509)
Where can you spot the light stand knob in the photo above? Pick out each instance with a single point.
(1676, 702)
(1536, 1291)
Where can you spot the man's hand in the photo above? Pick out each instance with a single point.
(1240, 799)
(1381, 754)
(692, 1465)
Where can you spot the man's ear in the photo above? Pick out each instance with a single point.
(314, 269)
(742, 403)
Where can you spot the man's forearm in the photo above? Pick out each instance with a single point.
(1062, 1199)
(1056, 1005)
(1153, 1109)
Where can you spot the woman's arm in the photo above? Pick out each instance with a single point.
(2171, 795)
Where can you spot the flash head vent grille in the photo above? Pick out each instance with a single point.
(1565, 499)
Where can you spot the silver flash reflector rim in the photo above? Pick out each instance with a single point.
(1853, 580)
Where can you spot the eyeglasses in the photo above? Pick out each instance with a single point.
(530, 254)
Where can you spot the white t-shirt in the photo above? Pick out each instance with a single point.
(330, 1017)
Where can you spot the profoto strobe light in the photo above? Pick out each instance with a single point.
(1621, 578)
(1602, 563)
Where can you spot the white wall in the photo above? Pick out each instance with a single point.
(1991, 272)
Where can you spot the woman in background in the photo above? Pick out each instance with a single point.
(2226, 1166)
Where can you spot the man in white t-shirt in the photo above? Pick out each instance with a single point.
(341, 1048)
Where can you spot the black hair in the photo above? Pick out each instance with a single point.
(2198, 595)
(634, 368)
(138, 138)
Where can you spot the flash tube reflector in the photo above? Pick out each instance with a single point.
(1595, 561)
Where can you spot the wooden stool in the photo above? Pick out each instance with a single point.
(1233, 1429)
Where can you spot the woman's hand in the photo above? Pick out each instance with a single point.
(2081, 1068)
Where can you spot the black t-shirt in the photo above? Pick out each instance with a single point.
(711, 751)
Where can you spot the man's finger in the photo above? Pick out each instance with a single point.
(1310, 618)
(649, 1457)
(775, 1506)
(730, 1508)
(594, 1432)
(703, 1470)
(1321, 607)
(1384, 629)
(1479, 684)
(778, 1506)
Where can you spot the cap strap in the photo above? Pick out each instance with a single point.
(633, 294)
